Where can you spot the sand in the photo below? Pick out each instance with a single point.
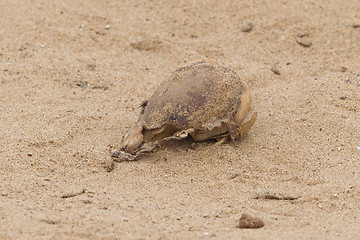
(73, 73)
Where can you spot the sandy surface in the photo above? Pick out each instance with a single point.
(73, 73)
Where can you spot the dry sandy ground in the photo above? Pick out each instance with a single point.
(73, 73)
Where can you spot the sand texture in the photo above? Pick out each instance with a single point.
(74, 73)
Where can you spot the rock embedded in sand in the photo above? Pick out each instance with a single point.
(275, 195)
(248, 221)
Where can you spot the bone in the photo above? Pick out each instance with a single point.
(119, 156)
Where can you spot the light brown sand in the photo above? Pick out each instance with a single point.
(73, 73)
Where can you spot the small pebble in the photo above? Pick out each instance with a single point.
(146, 45)
(358, 148)
(194, 145)
(247, 27)
(107, 27)
(91, 66)
(50, 221)
(304, 40)
(233, 176)
(356, 25)
(274, 69)
(87, 201)
(109, 165)
(343, 69)
(248, 221)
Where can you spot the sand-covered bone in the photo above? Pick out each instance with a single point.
(200, 100)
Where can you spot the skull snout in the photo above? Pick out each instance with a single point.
(133, 140)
